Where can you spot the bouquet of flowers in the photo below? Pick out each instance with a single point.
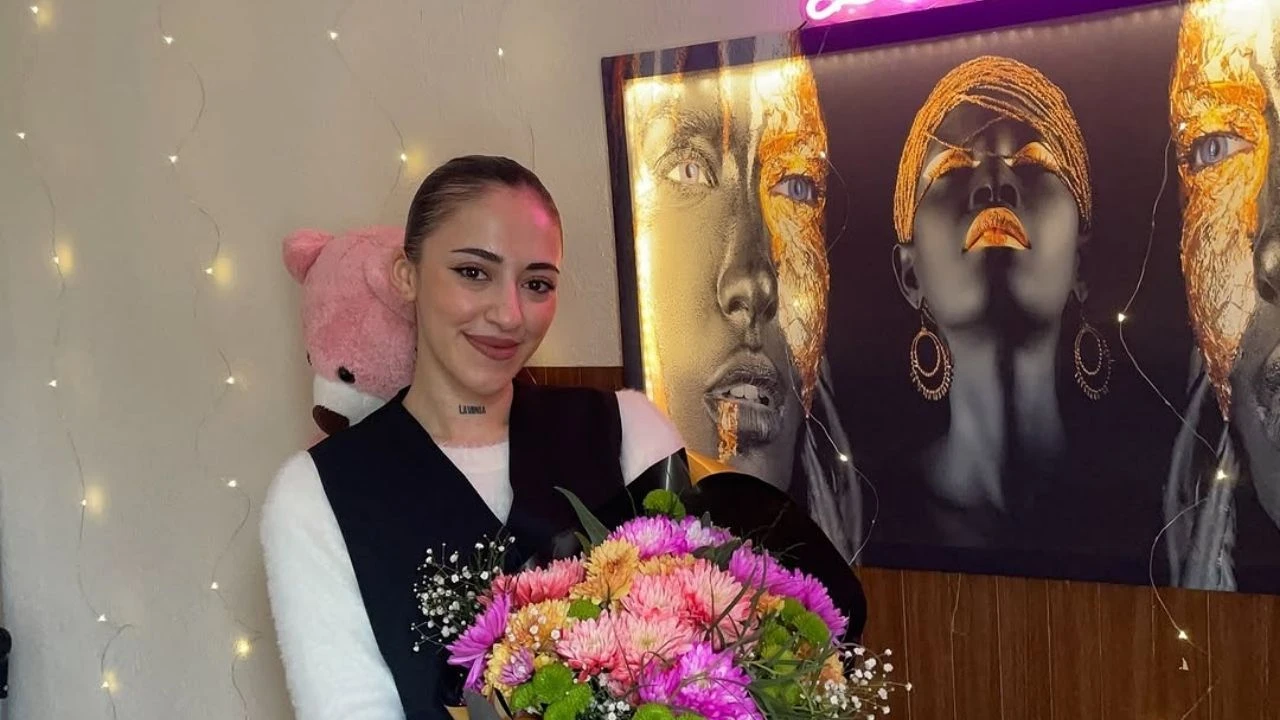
(666, 617)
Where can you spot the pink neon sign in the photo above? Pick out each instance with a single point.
(829, 12)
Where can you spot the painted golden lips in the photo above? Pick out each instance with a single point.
(996, 227)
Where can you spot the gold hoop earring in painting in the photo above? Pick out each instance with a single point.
(1094, 381)
(933, 383)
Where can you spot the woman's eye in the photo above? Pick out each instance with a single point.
(470, 273)
(541, 287)
(690, 172)
(1211, 149)
(798, 188)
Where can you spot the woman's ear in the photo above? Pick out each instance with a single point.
(404, 278)
(904, 268)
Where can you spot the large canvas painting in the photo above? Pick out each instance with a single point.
(993, 287)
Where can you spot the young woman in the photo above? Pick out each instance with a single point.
(729, 176)
(459, 455)
(993, 207)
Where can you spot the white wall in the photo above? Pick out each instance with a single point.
(287, 139)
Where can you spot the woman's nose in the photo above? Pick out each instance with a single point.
(747, 289)
(995, 185)
(505, 311)
(1266, 263)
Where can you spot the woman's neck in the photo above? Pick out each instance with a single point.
(1006, 428)
(453, 415)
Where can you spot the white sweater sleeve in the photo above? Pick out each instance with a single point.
(331, 659)
(647, 435)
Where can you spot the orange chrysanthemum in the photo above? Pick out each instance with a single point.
(610, 569)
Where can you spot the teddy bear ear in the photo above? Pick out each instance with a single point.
(301, 248)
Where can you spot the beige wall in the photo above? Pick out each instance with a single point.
(287, 139)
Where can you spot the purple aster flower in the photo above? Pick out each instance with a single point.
(698, 535)
(472, 647)
(813, 595)
(652, 536)
(702, 681)
(758, 569)
(518, 668)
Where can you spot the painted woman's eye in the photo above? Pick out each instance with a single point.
(541, 287)
(470, 273)
(690, 172)
(798, 188)
(1211, 149)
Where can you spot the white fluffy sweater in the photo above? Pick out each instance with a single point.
(331, 659)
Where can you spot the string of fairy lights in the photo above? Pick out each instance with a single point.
(92, 498)
(214, 268)
(335, 39)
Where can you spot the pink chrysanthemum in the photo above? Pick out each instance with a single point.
(711, 595)
(813, 595)
(472, 647)
(652, 536)
(644, 642)
(697, 535)
(550, 583)
(590, 646)
(655, 596)
(702, 681)
(757, 569)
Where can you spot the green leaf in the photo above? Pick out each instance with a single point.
(579, 698)
(664, 502)
(596, 531)
(584, 610)
(552, 682)
(653, 711)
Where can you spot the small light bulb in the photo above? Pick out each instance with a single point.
(231, 380)
(1182, 126)
(1222, 475)
(102, 618)
(208, 270)
(57, 260)
(173, 159)
(168, 39)
(232, 483)
(213, 585)
(53, 383)
(243, 647)
(22, 135)
(106, 684)
(333, 34)
(822, 154)
(35, 9)
(1120, 317)
(1182, 635)
(500, 53)
(843, 458)
(84, 502)
(404, 157)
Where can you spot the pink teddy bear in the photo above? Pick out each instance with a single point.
(359, 334)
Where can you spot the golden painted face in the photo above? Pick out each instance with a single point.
(1218, 112)
(729, 181)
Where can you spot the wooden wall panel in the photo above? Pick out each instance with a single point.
(983, 648)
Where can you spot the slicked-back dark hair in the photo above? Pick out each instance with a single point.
(458, 182)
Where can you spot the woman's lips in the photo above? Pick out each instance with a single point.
(745, 395)
(495, 348)
(996, 227)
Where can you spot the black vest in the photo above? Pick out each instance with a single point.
(395, 494)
